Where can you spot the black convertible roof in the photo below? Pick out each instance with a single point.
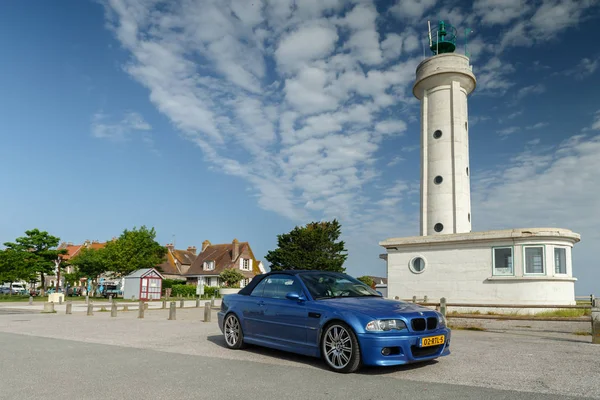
(258, 278)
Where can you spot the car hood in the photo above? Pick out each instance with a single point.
(375, 307)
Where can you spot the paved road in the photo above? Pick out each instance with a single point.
(93, 371)
(139, 356)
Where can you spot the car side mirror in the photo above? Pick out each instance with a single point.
(295, 296)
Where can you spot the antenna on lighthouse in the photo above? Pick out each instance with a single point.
(429, 32)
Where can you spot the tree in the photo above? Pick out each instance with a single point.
(134, 249)
(13, 267)
(37, 250)
(367, 280)
(90, 263)
(313, 247)
(231, 277)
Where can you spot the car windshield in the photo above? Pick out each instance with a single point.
(329, 285)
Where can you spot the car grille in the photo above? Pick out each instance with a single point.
(420, 324)
(425, 351)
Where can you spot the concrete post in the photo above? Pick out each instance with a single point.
(414, 299)
(207, 312)
(90, 308)
(30, 300)
(110, 297)
(596, 321)
(87, 299)
(212, 301)
(113, 309)
(48, 307)
(172, 311)
(164, 304)
(60, 300)
(141, 309)
(69, 307)
(197, 302)
(181, 303)
(145, 305)
(425, 299)
(443, 306)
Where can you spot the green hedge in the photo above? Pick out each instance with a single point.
(183, 290)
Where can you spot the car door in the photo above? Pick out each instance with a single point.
(253, 311)
(283, 320)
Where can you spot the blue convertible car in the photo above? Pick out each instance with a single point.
(333, 316)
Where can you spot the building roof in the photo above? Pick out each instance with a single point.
(379, 280)
(74, 249)
(222, 255)
(142, 272)
(177, 262)
(484, 236)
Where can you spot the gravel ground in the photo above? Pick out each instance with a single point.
(546, 358)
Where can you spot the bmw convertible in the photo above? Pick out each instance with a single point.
(333, 316)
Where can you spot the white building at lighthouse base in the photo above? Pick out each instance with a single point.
(515, 266)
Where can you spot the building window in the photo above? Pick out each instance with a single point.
(438, 227)
(208, 281)
(534, 260)
(438, 179)
(246, 264)
(560, 260)
(209, 265)
(245, 282)
(503, 261)
(417, 265)
(437, 134)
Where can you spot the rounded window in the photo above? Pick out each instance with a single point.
(438, 179)
(417, 265)
(437, 134)
(438, 227)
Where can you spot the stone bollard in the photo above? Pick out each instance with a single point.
(164, 304)
(110, 297)
(48, 307)
(145, 305)
(141, 309)
(425, 299)
(60, 299)
(414, 299)
(125, 307)
(30, 300)
(172, 311)
(113, 309)
(443, 306)
(87, 299)
(596, 321)
(90, 308)
(69, 307)
(197, 302)
(396, 298)
(181, 303)
(207, 312)
(212, 301)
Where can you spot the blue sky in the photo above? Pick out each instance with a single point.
(222, 119)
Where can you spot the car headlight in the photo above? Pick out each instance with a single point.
(441, 321)
(384, 325)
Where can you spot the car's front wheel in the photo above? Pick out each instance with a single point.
(232, 331)
(340, 349)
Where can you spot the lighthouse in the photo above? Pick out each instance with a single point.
(443, 83)
(517, 266)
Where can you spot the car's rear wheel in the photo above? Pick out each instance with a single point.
(232, 332)
(340, 349)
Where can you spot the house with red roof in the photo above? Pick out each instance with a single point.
(215, 258)
(177, 262)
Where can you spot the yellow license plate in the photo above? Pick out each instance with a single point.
(432, 341)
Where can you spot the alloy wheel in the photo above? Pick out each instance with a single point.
(232, 330)
(337, 345)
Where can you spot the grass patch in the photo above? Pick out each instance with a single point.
(582, 333)
(566, 312)
(467, 328)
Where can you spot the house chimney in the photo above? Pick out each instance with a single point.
(192, 249)
(170, 246)
(205, 244)
(236, 250)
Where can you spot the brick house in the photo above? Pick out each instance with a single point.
(215, 258)
(177, 262)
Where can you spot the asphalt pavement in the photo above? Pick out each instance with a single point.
(99, 356)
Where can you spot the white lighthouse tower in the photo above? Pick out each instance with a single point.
(528, 266)
(442, 85)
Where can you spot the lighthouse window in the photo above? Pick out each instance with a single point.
(437, 180)
(469, 217)
(437, 134)
(467, 171)
(417, 265)
(438, 227)
(534, 260)
(466, 125)
(503, 261)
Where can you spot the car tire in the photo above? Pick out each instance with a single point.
(232, 332)
(339, 348)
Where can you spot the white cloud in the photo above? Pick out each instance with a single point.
(539, 125)
(310, 42)
(411, 10)
(129, 125)
(492, 77)
(529, 90)
(508, 131)
(500, 12)
(585, 68)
